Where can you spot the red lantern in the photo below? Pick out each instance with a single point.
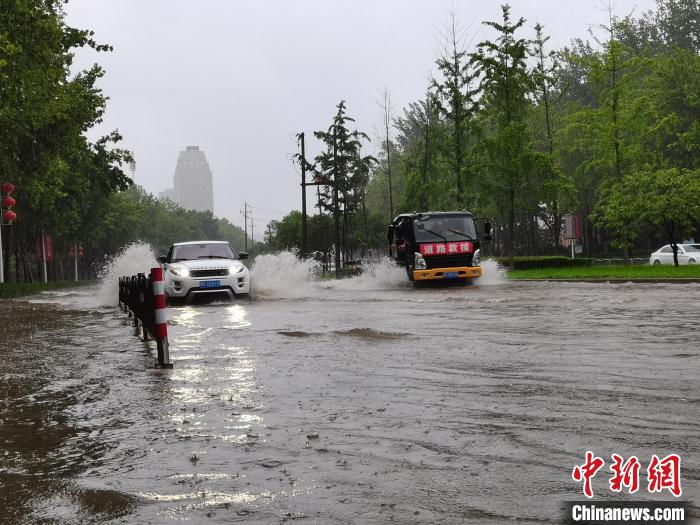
(8, 202)
(8, 188)
(9, 216)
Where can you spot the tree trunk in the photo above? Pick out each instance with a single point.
(511, 225)
(17, 266)
(336, 205)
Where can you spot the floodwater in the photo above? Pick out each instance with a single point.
(360, 401)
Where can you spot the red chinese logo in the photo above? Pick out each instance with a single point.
(625, 474)
(665, 474)
(586, 472)
(662, 473)
(450, 248)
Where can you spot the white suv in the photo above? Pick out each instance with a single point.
(204, 267)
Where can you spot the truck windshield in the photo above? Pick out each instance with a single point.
(444, 229)
(217, 250)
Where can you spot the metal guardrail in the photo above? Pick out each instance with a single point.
(619, 260)
(143, 299)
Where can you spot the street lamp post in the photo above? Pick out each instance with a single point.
(7, 216)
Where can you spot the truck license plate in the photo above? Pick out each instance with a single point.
(209, 284)
(451, 275)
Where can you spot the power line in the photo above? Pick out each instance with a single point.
(245, 224)
(266, 209)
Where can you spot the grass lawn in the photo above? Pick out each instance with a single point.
(688, 271)
(9, 290)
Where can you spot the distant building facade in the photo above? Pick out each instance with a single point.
(193, 187)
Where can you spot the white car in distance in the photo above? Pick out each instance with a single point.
(204, 268)
(687, 254)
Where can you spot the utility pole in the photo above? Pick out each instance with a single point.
(75, 260)
(304, 242)
(336, 206)
(43, 256)
(245, 225)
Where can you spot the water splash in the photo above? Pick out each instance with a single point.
(135, 258)
(493, 274)
(383, 274)
(276, 276)
(283, 275)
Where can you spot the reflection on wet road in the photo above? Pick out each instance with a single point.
(346, 405)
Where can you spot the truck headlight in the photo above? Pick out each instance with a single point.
(182, 272)
(420, 262)
(476, 260)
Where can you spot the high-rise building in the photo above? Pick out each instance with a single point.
(193, 187)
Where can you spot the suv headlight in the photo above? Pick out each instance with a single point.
(420, 262)
(233, 270)
(476, 260)
(180, 272)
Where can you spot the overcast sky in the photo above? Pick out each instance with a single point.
(241, 78)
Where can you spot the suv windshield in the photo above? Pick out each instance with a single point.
(443, 229)
(202, 251)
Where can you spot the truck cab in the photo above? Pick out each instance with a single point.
(434, 246)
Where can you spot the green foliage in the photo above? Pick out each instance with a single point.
(609, 129)
(666, 200)
(341, 166)
(507, 150)
(524, 143)
(455, 98)
(63, 180)
(137, 216)
(345, 174)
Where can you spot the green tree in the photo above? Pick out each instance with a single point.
(456, 100)
(509, 155)
(44, 115)
(423, 167)
(665, 200)
(557, 188)
(345, 173)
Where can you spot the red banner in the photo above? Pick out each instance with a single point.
(447, 248)
(48, 248)
(578, 227)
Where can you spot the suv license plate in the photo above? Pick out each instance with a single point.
(209, 284)
(451, 275)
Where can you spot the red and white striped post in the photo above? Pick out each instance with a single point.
(160, 318)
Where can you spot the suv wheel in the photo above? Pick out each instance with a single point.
(657, 262)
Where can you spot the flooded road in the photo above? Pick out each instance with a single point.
(359, 401)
